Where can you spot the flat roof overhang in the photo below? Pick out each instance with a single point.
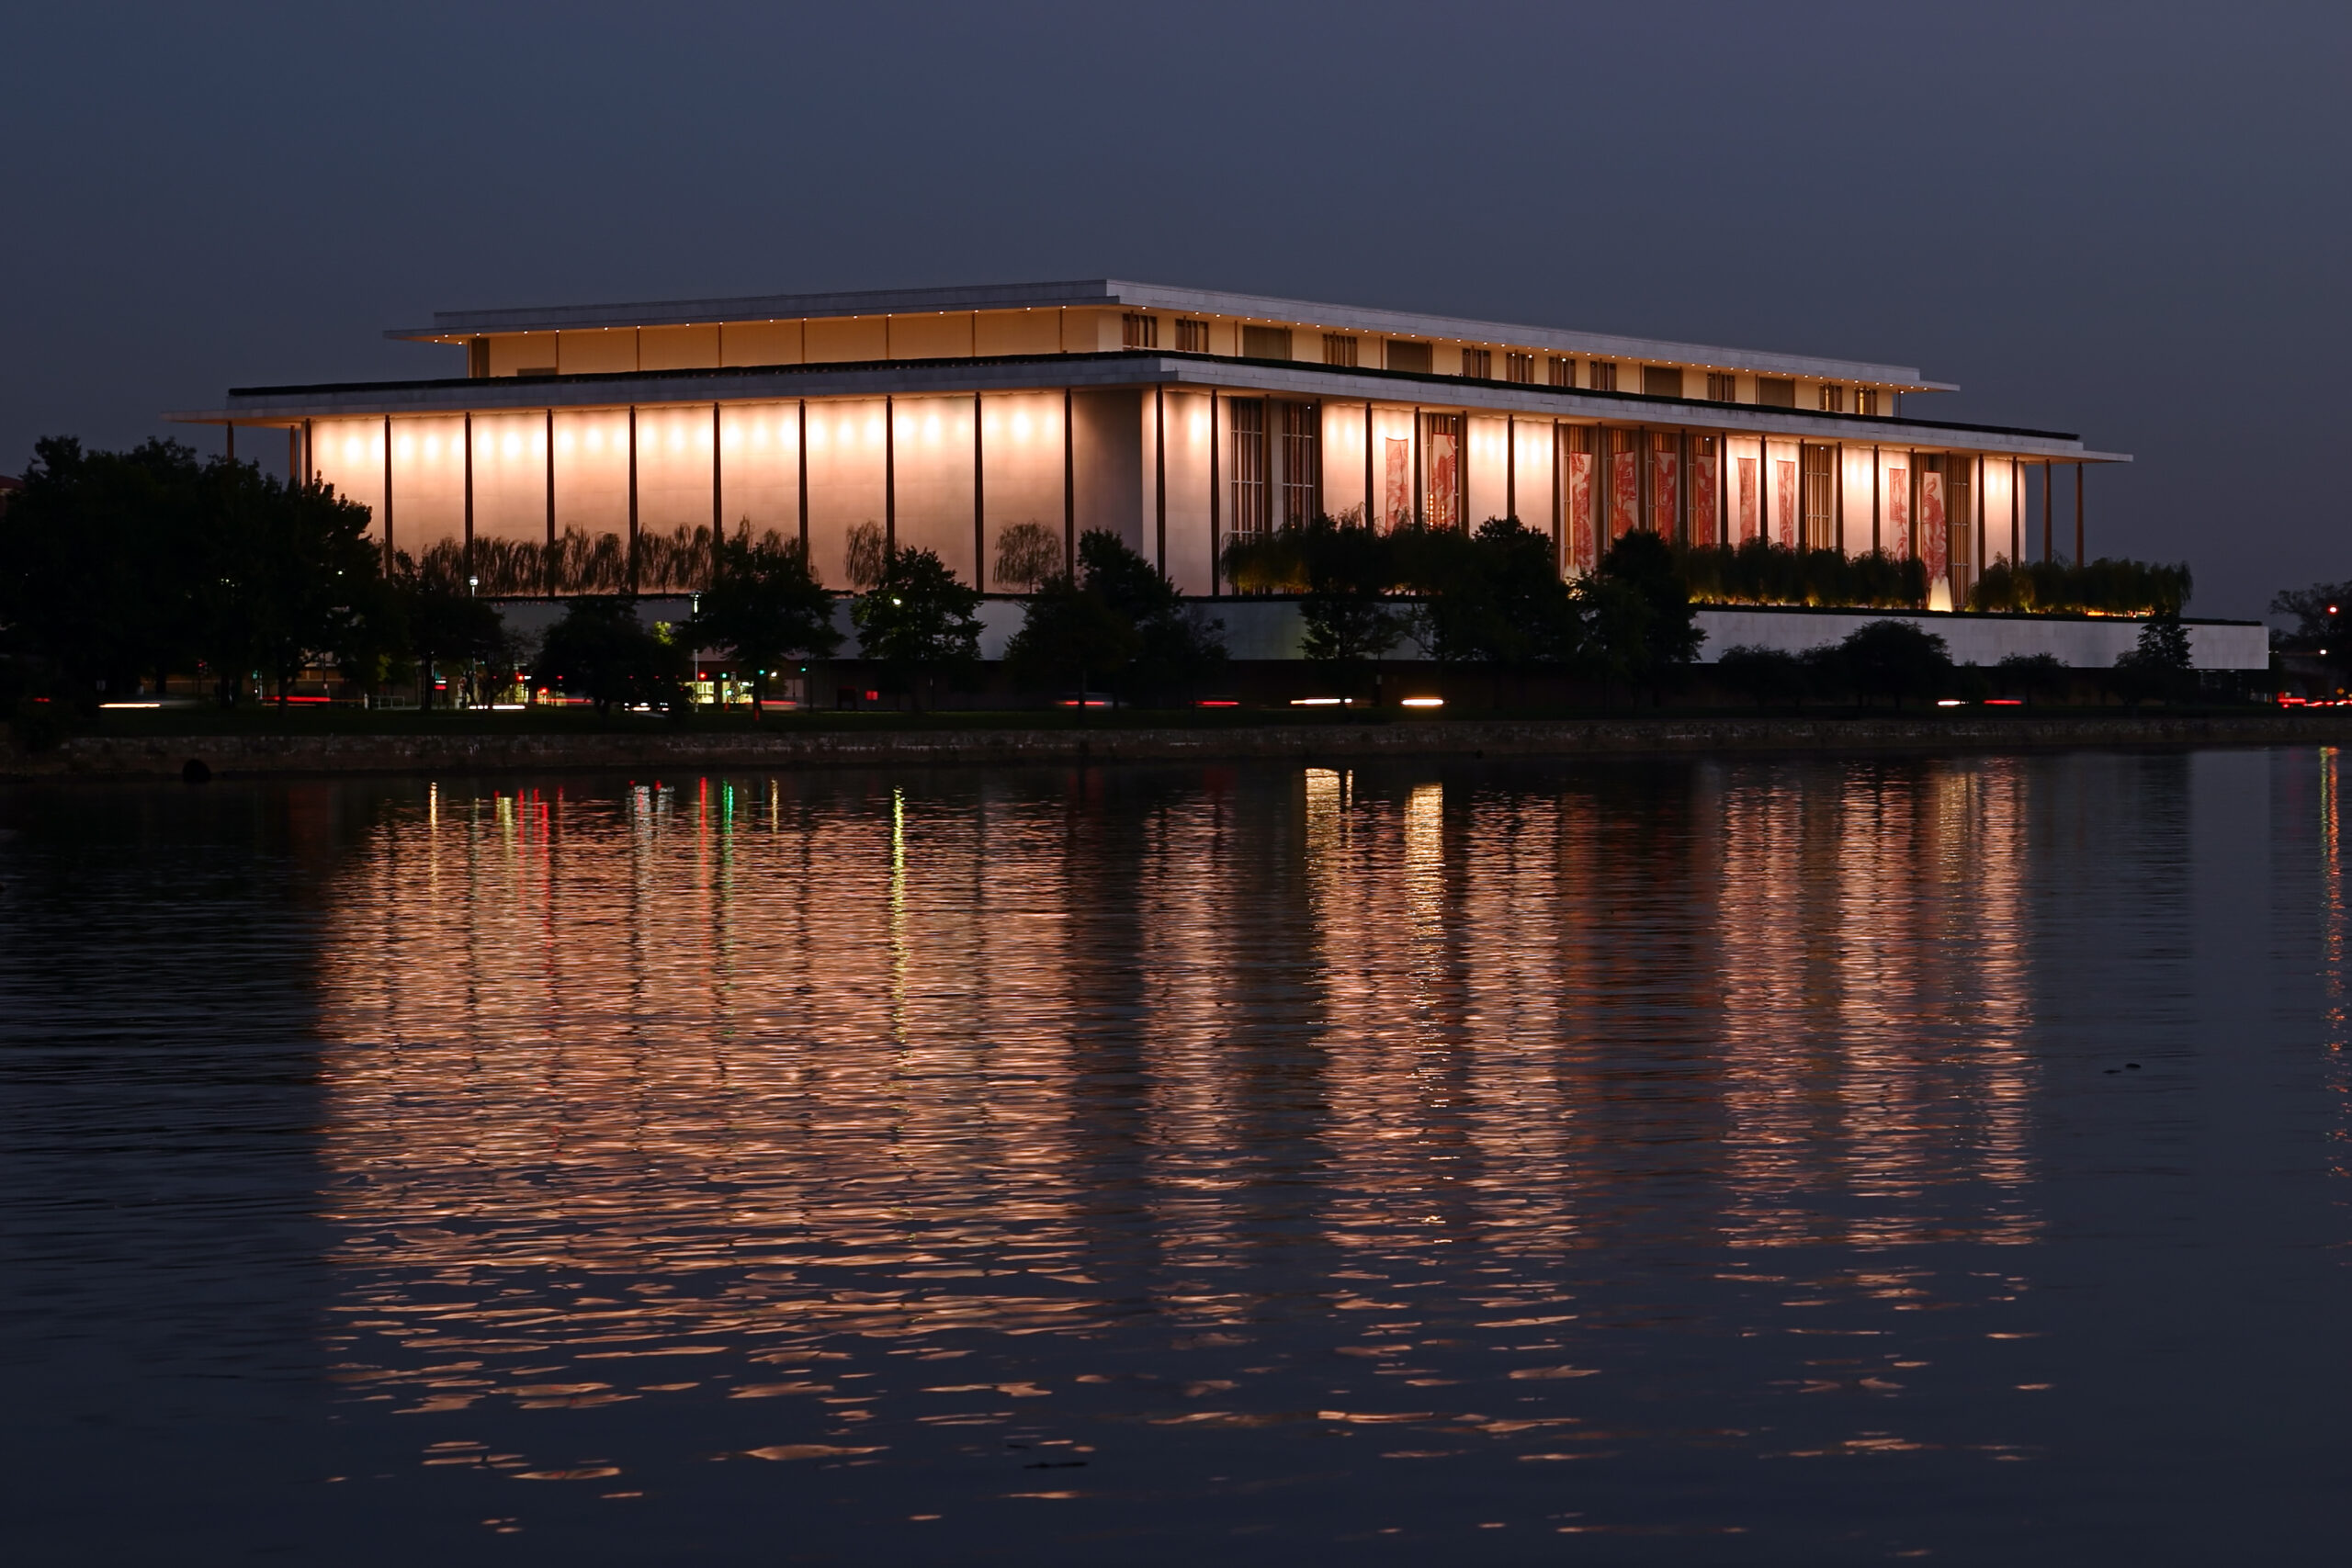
(280, 406)
(452, 326)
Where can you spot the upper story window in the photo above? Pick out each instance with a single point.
(1661, 380)
(1833, 398)
(1478, 364)
(1192, 337)
(1605, 376)
(1407, 355)
(1866, 402)
(1519, 367)
(1564, 371)
(1265, 343)
(1139, 331)
(1339, 348)
(1721, 387)
(1776, 391)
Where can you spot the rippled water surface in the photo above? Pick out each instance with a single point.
(1682, 1162)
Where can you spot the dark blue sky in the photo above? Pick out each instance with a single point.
(2126, 221)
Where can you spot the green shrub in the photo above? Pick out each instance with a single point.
(1761, 572)
(2105, 587)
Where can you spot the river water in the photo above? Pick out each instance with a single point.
(1682, 1161)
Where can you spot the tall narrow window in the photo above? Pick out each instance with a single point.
(1139, 331)
(1519, 367)
(1338, 348)
(1248, 417)
(1833, 398)
(1192, 337)
(1661, 381)
(1722, 388)
(1265, 343)
(1478, 364)
(1302, 463)
(1605, 376)
(1776, 391)
(1819, 485)
(1866, 402)
(1404, 355)
(1564, 371)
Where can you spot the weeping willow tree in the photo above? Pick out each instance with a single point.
(577, 563)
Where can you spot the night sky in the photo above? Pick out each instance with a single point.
(2126, 222)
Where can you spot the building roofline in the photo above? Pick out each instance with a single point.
(1115, 292)
(1130, 367)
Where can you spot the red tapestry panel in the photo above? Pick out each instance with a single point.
(1666, 479)
(1785, 501)
(1747, 495)
(1897, 532)
(1705, 520)
(1625, 493)
(1445, 480)
(1935, 536)
(1399, 502)
(1580, 548)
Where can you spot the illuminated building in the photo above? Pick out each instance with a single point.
(1176, 418)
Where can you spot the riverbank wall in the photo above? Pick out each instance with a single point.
(668, 751)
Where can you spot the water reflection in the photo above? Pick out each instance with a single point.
(1382, 1101)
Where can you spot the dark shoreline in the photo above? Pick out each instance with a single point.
(281, 754)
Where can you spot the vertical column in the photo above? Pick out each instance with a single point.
(1878, 478)
(469, 502)
(1417, 519)
(802, 427)
(1912, 485)
(1980, 516)
(1069, 487)
(1558, 555)
(2017, 514)
(889, 471)
(551, 558)
(2047, 528)
(1837, 507)
(1682, 486)
(717, 513)
(1723, 489)
(231, 428)
(632, 498)
(1511, 467)
(2079, 556)
(293, 457)
(979, 502)
(1159, 475)
(1216, 509)
(388, 492)
(1368, 513)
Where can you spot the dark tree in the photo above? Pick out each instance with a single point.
(1492, 597)
(441, 619)
(765, 604)
(917, 620)
(2030, 675)
(1069, 633)
(1762, 675)
(1176, 645)
(100, 556)
(601, 650)
(2160, 666)
(287, 571)
(1350, 570)
(1895, 658)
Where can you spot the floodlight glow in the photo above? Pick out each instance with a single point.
(1424, 702)
(1315, 702)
